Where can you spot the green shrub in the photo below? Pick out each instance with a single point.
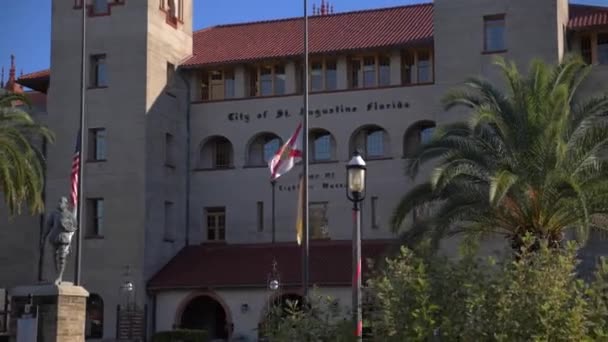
(181, 336)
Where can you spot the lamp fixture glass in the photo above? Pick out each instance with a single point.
(356, 176)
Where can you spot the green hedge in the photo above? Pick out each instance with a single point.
(181, 336)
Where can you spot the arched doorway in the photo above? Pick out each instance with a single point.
(205, 313)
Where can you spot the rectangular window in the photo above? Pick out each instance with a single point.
(100, 6)
(229, 84)
(260, 216)
(369, 72)
(426, 134)
(169, 222)
(222, 155)
(169, 150)
(424, 66)
(407, 67)
(266, 81)
(316, 76)
(321, 148)
(279, 80)
(374, 212)
(318, 220)
(170, 74)
(375, 144)
(602, 48)
(355, 74)
(95, 215)
(216, 224)
(586, 49)
(217, 84)
(99, 77)
(384, 71)
(253, 81)
(494, 33)
(97, 144)
(331, 75)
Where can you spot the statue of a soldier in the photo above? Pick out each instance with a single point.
(60, 226)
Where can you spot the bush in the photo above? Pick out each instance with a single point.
(181, 336)
(415, 296)
(534, 296)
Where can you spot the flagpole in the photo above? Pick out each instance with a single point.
(274, 185)
(305, 240)
(80, 205)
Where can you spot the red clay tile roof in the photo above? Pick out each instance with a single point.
(212, 265)
(583, 16)
(38, 80)
(36, 75)
(328, 33)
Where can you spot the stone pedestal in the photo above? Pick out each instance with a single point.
(61, 311)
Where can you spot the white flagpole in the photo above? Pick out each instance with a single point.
(305, 230)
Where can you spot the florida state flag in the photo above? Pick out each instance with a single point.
(287, 156)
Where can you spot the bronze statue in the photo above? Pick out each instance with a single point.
(60, 226)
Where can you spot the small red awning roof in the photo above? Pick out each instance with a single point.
(248, 265)
(38, 80)
(584, 17)
(327, 33)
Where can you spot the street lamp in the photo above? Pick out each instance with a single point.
(355, 192)
(273, 278)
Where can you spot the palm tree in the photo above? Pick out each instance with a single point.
(529, 161)
(21, 163)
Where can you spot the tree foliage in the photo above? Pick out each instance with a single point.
(21, 163)
(530, 160)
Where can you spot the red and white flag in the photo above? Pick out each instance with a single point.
(287, 156)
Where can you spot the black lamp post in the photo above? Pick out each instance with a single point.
(355, 191)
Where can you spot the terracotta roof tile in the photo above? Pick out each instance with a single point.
(36, 75)
(583, 16)
(212, 265)
(328, 33)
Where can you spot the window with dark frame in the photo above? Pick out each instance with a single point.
(586, 49)
(374, 143)
(170, 74)
(321, 146)
(417, 66)
(262, 149)
(216, 223)
(369, 71)
(494, 33)
(222, 156)
(99, 77)
(217, 84)
(169, 150)
(374, 208)
(97, 144)
(100, 6)
(260, 216)
(169, 231)
(95, 217)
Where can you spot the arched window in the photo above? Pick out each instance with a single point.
(371, 141)
(216, 153)
(418, 134)
(262, 148)
(94, 317)
(322, 146)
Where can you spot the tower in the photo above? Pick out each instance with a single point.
(133, 103)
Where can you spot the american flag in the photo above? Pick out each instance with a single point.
(74, 175)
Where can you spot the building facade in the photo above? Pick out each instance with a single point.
(181, 124)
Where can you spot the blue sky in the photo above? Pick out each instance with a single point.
(25, 24)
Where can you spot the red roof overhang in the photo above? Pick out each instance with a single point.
(38, 81)
(248, 265)
(583, 17)
(351, 31)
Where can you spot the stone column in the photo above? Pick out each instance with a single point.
(61, 311)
